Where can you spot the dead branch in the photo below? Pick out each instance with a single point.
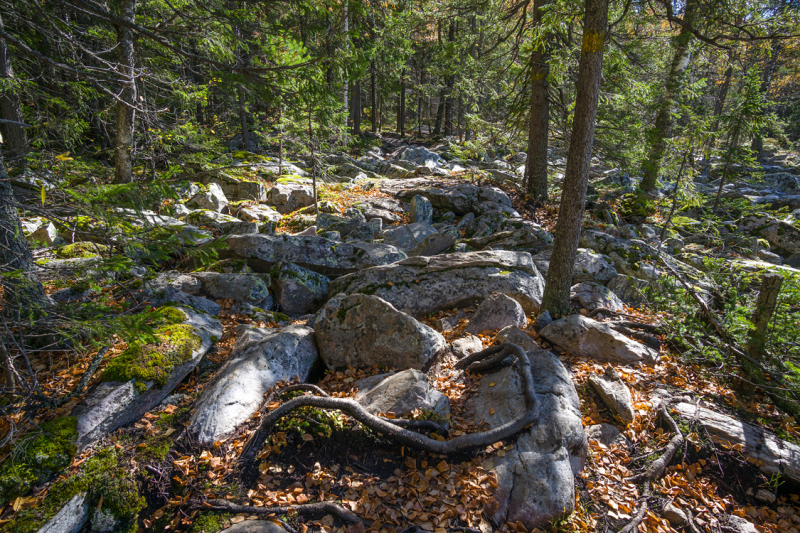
(413, 439)
(318, 509)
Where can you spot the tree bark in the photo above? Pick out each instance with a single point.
(576, 177)
(757, 144)
(437, 127)
(663, 125)
(373, 99)
(356, 107)
(123, 166)
(14, 138)
(243, 116)
(765, 308)
(539, 122)
(22, 289)
(401, 108)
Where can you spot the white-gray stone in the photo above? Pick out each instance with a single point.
(212, 198)
(401, 394)
(614, 393)
(260, 359)
(466, 345)
(591, 296)
(298, 290)
(516, 336)
(71, 518)
(592, 266)
(495, 313)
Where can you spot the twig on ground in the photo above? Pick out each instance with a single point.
(318, 508)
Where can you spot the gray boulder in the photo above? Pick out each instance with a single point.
(495, 313)
(422, 285)
(260, 359)
(225, 224)
(212, 198)
(248, 288)
(607, 435)
(258, 213)
(591, 296)
(287, 197)
(783, 237)
(436, 243)
(401, 394)
(628, 289)
(298, 290)
(585, 337)
(255, 526)
(421, 210)
(465, 198)
(535, 478)
(331, 258)
(420, 155)
(614, 393)
(466, 345)
(516, 336)
(114, 404)
(237, 189)
(363, 330)
(43, 234)
(592, 266)
(407, 236)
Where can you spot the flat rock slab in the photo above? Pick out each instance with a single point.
(407, 236)
(321, 255)
(535, 480)
(588, 338)
(115, 404)
(422, 285)
(255, 526)
(260, 359)
(772, 455)
(364, 330)
(401, 394)
(614, 393)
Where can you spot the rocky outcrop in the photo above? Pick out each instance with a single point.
(585, 337)
(516, 336)
(593, 267)
(591, 296)
(225, 224)
(421, 210)
(407, 236)
(286, 197)
(401, 394)
(421, 285)
(782, 236)
(436, 243)
(364, 330)
(464, 198)
(260, 359)
(211, 198)
(535, 478)
(331, 258)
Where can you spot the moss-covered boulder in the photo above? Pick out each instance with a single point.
(83, 249)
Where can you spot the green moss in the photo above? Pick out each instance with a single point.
(636, 206)
(211, 522)
(36, 458)
(101, 476)
(155, 449)
(83, 249)
(154, 362)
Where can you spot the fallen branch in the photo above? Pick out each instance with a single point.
(318, 509)
(646, 338)
(413, 439)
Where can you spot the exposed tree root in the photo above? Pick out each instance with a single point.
(655, 470)
(646, 338)
(389, 428)
(319, 508)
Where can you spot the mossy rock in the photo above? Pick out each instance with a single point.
(636, 206)
(83, 249)
(35, 459)
(154, 361)
(225, 266)
(100, 477)
(211, 522)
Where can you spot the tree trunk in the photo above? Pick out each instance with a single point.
(539, 124)
(243, 117)
(437, 128)
(766, 81)
(123, 166)
(373, 100)
(22, 291)
(401, 108)
(663, 125)
(719, 105)
(14, 138)
(356, 107)
(756, 343)
(576, 176)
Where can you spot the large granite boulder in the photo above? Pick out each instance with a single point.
(407, 236)
(210, 197)
(286, 197)
(421, 285)
(436, 243)
(585, 337)
(782, 236)
(591, 296)
(331, 258)
(260, 359)
(118, 402)
(535, 479)
(421, 156)
(614, 393)
(402, 394)
(298, 290)
(364, 330)
(258, 213)
(246, 288)
(464, 198)
(237, 189)
(592, 266)
(225, 224)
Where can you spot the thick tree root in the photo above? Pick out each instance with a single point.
(318, 509)
(389, 428)
(655, 470)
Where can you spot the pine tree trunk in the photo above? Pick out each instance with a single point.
(539, 123)
(123, 166)
(401, 108)
(13, 135)
(356, 107)
(766, 81)
(576, 177)
(663, 125)
(243, 117)
(24, 291)
(437, 127)
(373, 99)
